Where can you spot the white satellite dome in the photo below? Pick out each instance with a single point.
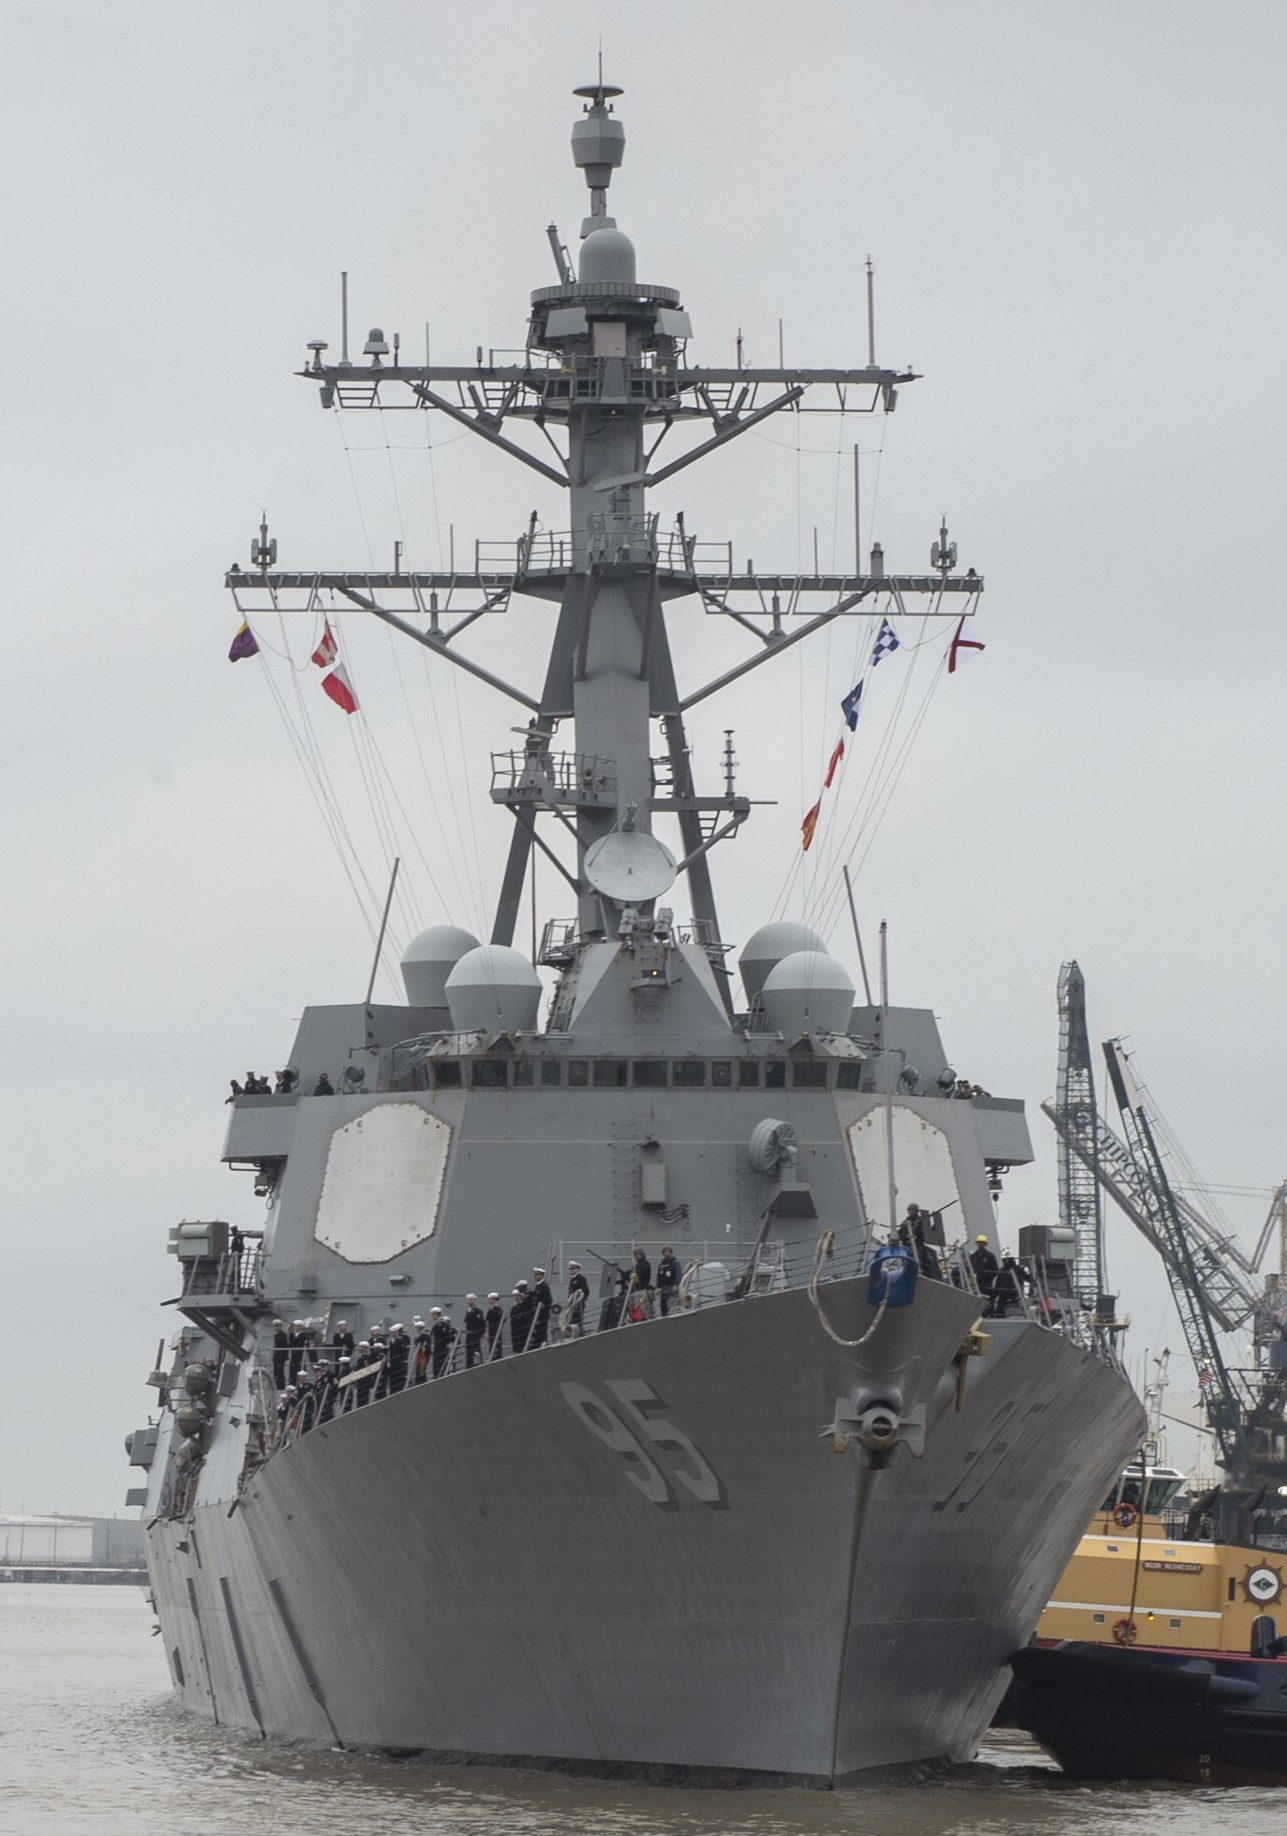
(493, 989)
(429, 960)
(808, 992)
(765, 948)
(608, 255)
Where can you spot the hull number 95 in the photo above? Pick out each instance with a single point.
(659, 1460)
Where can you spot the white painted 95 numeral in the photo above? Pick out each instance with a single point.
(634, 1421)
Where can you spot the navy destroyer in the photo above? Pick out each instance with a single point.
(781, 1511)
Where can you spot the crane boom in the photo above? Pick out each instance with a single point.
(1223, 1406)
(1080, 1209)
(1231, 1298)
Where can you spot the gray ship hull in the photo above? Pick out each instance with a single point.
(643, 1549)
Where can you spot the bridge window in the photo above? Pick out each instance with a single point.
(809, 1076)
(578, 1073)
(649, 1073)
(524, 1073)
(722, 1073)
(688, 1073)
(609, 1073)
(551, 1071)
(446, 1073)
(748, 1073)
(775, 1074)
(848, 1074)
(489, 1074)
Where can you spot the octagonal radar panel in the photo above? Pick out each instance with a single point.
(630, 867)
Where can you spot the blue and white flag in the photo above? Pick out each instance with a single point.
(850, 707)
(885, 642)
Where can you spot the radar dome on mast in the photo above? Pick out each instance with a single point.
(808, 992)
(607, 255)
(430, 959)
(494, 989)
(764, 950)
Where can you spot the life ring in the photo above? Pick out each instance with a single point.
(1125, 1631)
(1124, 1516)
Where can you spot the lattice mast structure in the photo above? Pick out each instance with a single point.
(603, 380)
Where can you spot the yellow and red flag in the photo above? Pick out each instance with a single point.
(809, 824)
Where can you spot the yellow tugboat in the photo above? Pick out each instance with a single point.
(1133, 1580)
(1159, 1654)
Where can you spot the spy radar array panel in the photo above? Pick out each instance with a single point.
(630, 867)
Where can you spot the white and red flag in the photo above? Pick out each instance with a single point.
(340, 689)
(328, 649)
(961, 643)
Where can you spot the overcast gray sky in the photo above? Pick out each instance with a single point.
(1076, 219)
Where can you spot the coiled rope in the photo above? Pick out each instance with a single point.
(825, 1249)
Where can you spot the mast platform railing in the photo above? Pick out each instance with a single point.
(607, 540)
(582, 780)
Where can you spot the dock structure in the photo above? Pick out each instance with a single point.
(85, 1550)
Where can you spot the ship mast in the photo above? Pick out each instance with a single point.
(606, 364)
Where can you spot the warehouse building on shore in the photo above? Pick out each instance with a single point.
(74, 1549)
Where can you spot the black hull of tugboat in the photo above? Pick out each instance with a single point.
(1201, 1718)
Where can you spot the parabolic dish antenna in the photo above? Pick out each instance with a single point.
(630, 867)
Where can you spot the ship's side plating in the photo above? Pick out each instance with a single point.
(644, 1548)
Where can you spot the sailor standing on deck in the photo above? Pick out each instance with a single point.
(520, 1318)
(912, 1232)
(442, 1336)
(495, 1317)
(421, 1344)
(399, 1356)
(364, 1361)
(577, 1302)
(542, 1307)
(637, 1288)
(475, 1325)
(298, 1342)
(984, 1264)
(281, 1354)
(669, 1274)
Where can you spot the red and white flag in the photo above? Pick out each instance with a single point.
(960, 643)
(328, 649)
(340, 689)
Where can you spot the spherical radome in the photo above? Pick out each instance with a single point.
(808, 992)
(607, 255)
(767, 946)
(493, 989)
(428, 961)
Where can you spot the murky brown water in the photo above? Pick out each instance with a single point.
(91, 1743)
